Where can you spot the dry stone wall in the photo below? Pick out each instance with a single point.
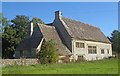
(10, 62)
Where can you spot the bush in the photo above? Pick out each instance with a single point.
(48, 53)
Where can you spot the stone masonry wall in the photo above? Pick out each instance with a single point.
(23, 61)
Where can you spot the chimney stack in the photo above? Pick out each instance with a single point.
(58, 14)
(30, 29)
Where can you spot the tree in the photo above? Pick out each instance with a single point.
(36, 20)
(8, 42)
(0, 24)
(48, 53)
(115, 39)
(13, 34)
(5, 23)
(0, 17)
(20, 23)
(7, 39)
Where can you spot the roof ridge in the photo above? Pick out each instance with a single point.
(45, 25)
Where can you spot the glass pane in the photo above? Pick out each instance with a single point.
(89, 46)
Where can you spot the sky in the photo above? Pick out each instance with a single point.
(100, 14)
(60, 0)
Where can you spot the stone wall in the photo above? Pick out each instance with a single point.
(23, 61)
(84, 51)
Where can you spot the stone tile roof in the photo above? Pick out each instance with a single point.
(84, 31)
(32, 42)
(50, 33)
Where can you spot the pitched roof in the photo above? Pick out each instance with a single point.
(84, 31)
(50, 33)
(32, 42)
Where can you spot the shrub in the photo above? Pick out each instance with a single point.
(48, 53)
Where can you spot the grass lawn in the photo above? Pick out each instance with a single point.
(106, 66)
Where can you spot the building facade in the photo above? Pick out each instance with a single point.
(73, 38)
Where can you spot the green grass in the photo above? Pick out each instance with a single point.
(106, 66)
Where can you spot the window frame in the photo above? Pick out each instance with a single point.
(108, 51)
(82, 45)
(92, 49)
(79, 45)
(102, 51)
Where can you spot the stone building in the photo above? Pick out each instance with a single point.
(73, 38)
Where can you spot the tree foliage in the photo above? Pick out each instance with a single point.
(13, 32)
(8, 42)
(0, 17)
(20, 23)
(36, 20)
(5, 23)
(48, 53)
(115, 39)
(6, 39)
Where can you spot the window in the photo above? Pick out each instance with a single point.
(108, 51)
(92, 50)
(77, 44)
(80, 45)
(102, 51)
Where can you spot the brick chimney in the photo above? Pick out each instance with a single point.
(58, 14)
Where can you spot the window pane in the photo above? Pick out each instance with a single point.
(92, 50)
(94, 47)
(102, 51)
(80, 45)
(77, 44)
(108, 51)
(89, 46)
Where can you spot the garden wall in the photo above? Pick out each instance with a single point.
(23, 61)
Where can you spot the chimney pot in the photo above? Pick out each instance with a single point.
(58, 14)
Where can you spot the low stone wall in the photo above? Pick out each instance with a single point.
(23, 61)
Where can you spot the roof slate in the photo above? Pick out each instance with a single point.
(50, 33)
(32, 42)
(76, 29)
(84, 31)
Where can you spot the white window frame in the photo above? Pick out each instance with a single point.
(92, 50)
(102, 51)
(79, 45)
(108, 51)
